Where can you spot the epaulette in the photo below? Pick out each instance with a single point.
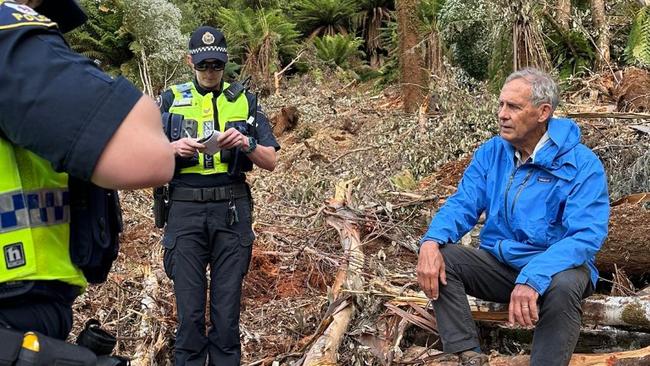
(14, 15)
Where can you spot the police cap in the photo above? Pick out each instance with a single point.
(208, 43)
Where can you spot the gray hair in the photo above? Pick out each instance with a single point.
(542, 87)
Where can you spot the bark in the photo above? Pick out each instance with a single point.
(324, 350)
(600, 340)
(413, 77)
(602, 27)
(564, 14)
(632, 312)
(628, 241)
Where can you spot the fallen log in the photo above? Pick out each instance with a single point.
(639, 357)
(508, 340)
(632, 312)
(628, 241)
(323, 350)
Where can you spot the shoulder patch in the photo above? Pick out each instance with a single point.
(13, 15)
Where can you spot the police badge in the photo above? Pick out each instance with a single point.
(208, 38)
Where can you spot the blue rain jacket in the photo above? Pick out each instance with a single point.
(543, 217)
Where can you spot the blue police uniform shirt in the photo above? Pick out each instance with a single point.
(264, 137)
(54, 101)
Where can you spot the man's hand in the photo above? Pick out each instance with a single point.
(523, 306)
(186, 147)
(232, 138)
(431, 268)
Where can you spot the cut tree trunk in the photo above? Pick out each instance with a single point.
(325, 348)
(413, 77)
(602, 27)
(628, 241)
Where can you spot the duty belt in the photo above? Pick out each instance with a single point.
(209, 194)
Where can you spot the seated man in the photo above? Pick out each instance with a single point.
(545, 200)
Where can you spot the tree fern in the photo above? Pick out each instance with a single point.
(338, 49)
(259, 40)
(638, 45)
(324, 17)
(103, 37)
(372, 16)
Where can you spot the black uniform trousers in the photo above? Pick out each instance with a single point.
(47, 316)
(199, 234)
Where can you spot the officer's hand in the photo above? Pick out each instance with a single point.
(232, 138)
(431, 268)
(187, 147)
(523, 306)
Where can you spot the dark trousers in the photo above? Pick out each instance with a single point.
(477, 273)
(46, 316)
(199, 234)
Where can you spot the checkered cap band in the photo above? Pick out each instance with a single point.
(208, 49)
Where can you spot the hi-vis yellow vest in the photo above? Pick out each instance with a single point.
(34, 219)
(191, 104)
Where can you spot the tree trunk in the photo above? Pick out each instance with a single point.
(632, 312)
(564, 14)
(600, 340)
(602, 27)
(413, 77)
(628, 241)
(325, 348)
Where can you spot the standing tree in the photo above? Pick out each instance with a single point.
(429, 13)
(563, 14)
(158, 42)
(371, 17)
(602, 27)
(413, 77)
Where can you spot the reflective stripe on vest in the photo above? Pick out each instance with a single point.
(34, 219)
(191, 104)
(20, 210)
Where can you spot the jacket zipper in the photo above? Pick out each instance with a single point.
(505, 199)
(521, 188)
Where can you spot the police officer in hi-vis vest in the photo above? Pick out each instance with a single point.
(62, 120)
(209, 218)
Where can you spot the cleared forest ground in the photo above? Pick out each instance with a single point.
(399, 169)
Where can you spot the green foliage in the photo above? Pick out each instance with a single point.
(571, 52)
(338, 49)
(371, 17)
(196, 13)
(259, 39)
(102, 37)
(158, 43)
(464, 28)
(638, 46)
(324, 17)
(429, 13)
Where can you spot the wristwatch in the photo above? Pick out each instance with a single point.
(252, 145)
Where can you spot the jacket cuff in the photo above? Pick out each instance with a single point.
(523, 279)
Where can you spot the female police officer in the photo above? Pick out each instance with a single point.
(59, 113)
(210, 216)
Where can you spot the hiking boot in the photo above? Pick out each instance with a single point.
(471, 358)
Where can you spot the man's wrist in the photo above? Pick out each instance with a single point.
(433, 243)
